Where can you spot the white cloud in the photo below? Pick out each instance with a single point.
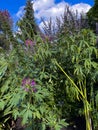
(43, 4)
(53, 11)
(81, 7)
(48, 8)
(20, 12)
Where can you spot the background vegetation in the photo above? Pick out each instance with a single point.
(48, 80)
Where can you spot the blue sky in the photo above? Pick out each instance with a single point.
(13, 5)
(91, 2)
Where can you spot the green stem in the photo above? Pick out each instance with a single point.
(84, 99)
(70, 80)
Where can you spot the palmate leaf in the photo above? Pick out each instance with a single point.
(41, 94)
(15, 113)
(60, 124)
(78, 71)
(63, 122)
(58, 127)
(87, 63)
(72, 93)
(3, 69)
(37, 115)
(2, 104)
(94, 65)
(15, 100)
(26, 114)
(7, 111)
(5, 86)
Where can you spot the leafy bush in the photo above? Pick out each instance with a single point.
(76, 58)
(27, 89)
(47, 82)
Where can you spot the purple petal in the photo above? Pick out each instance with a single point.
(33, 83)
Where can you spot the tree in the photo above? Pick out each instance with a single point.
(6, 34)
(27, 23)
(93, 15)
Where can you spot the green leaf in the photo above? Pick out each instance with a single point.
(38, 115)
(58, 127)
(5, 86)
(3, 69)
(28, 128)
(26, 114)
(43, 126)
(96, 99)
(63, 122)
(15, 99)
(7, 111)
(2, 104)
(15, 113)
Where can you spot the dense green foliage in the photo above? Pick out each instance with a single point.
(93, 15)
(37, 107)
(50, 83)
(80, 67)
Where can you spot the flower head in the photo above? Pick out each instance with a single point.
(29, 85)
(29, 42)
(33, 83)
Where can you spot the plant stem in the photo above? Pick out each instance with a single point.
(84, 99)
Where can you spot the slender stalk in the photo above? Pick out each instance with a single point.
(83, 93)
(70, 80)
(86, 110)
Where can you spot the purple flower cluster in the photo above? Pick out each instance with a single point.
(29, 42)
(5, 13)
(5, 17)
(29, 85)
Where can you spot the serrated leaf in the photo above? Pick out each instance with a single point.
(58, 127)
(27, 114)
(3, 69)
(5, 86)
(7, 111)
(15, 113)
(38, 115)
(15, 99)
(2, 104)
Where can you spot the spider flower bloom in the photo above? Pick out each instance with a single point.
(29, 42)
(29, 85)
(33, 83)
(34, 89)
(25, 81)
